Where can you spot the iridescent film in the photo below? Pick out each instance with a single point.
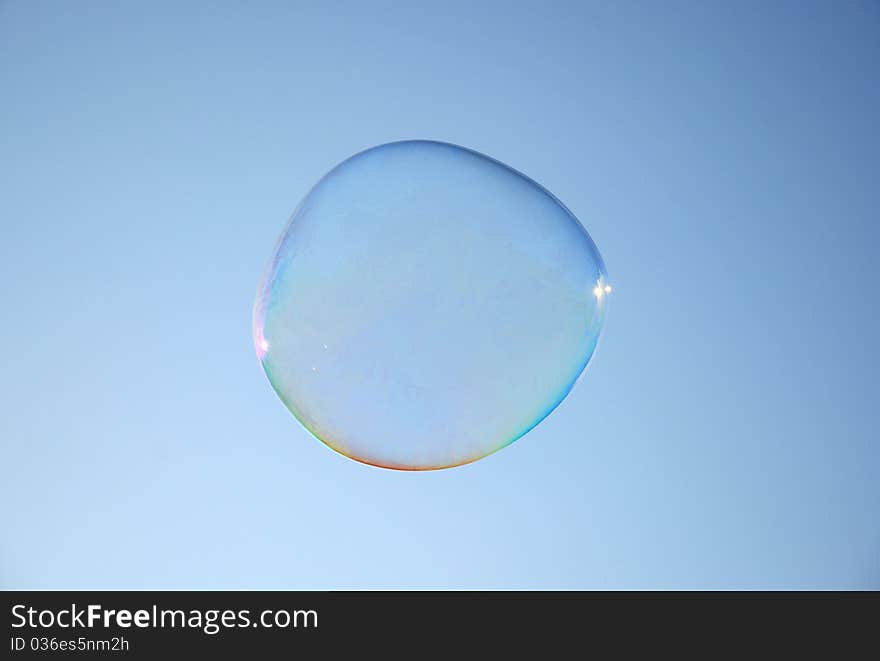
(427, 305)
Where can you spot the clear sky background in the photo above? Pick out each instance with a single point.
(724, 156)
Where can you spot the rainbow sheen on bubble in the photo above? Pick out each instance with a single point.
(427, 305)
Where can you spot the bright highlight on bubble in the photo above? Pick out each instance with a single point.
(599, 291)
(427, 305)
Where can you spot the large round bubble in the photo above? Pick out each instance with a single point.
(427, 305)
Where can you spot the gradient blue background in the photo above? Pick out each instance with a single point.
(724, 157)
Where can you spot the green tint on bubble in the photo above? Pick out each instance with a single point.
(427, 305)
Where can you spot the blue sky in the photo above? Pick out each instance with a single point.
(723, 156)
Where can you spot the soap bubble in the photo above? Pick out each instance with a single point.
(427, 305)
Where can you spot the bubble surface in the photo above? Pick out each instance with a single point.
(427, 305)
